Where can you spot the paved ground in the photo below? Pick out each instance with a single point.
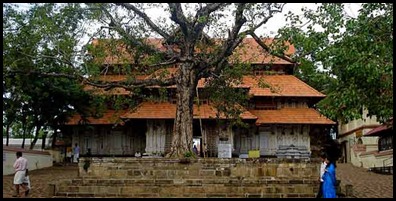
(39, 180)
(365, 184)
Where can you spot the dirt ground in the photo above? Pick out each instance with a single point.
(39, 180)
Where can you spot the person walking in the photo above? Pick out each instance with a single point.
(20, 166)
(76, 153)
(26, 182)
(329, 178)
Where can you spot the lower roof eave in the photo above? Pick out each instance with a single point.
(296, 123)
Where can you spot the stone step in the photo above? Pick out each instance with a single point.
(188, 182)
(241, 192)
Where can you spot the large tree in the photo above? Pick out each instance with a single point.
(198, 40)
(35, 49)
(349, 58)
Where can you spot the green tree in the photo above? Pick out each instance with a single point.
(36, 41)
(348, 58)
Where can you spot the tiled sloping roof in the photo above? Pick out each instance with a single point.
(377, 131)
(121, 56)
(250, 51)
(114, 91)
(109, 117)
(280, 85)
(167, 73)
(165, 110)
(202, 83)
(247, 51)
(114, 78)
(290, 116)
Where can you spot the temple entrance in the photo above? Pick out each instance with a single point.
(197, 137)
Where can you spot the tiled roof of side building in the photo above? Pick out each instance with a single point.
(279, 85)
(378, 130)
(290, 116)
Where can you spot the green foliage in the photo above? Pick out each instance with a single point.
(225, 94)
(188, 154)
(354, 68)
(32, 39)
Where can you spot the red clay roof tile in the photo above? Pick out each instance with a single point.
(290, 116)
(109, 117)
(279, 85)
(165, 110)
(247, 51)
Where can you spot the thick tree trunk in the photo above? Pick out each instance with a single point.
(183, 126)
(44, 137)
(33, 143)
(54, 136)
(8, 134)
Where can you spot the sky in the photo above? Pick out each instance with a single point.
(276, 22)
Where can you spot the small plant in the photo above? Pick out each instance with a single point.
(188, 154)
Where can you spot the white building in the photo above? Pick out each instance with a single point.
(357, 149)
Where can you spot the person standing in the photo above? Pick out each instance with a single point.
(69, 155)
(329, 178)
(195, 150)
(322, 170)
(20, 166)
(76, 153)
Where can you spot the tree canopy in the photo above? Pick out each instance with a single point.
(350, 59)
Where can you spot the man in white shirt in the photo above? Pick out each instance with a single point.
(322, 170)
(20, 166)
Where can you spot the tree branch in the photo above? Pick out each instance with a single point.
(269, 50)
(128, 85)
(232, 41)
(49, 57)
(270, 15)
(145, 18)
(178, 17)
(205, 12)
(132, 40)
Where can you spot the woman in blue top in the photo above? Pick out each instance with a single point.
(329, 179)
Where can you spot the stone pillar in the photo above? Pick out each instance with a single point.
(51, 189)
(348, 190)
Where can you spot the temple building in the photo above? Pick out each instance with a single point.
(280, 114)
